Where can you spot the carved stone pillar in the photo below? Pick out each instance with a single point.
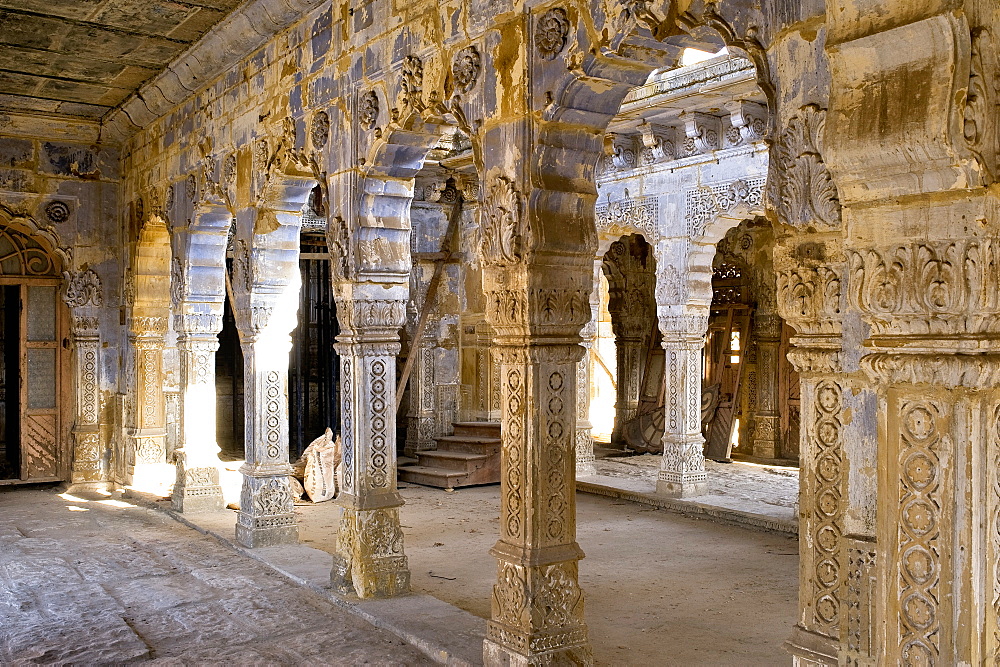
(266, 514)
(146, 465)
(84, 297)
(809, 276)
(537, 312)
(767, 427)
(682, 469)
(584, 437)
(90, 468)
(197, 485)
(933, 309)
(369, 559)
(629, 267)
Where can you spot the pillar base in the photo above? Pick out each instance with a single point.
(75, 487)
(267, 516)
(680, 489)
(498, 654)
(809, 649)
(197, 490)
(369, 560)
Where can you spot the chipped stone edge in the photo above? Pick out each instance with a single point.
(240, 33)
(429, 647)
(694, 509)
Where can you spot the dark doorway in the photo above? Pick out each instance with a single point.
(314, 368)
(10, 450)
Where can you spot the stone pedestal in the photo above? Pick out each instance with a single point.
(369, 559)
(682, 469)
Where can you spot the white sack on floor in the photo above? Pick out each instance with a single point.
(319, 465)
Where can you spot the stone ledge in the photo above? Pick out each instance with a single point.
(416, 618)
(694, 509)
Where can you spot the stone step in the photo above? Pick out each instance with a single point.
(448, 479)
(469, 444)
(449, 460)
(477, 429)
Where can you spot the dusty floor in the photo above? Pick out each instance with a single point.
(99, 581)
(661, 589)
(747, 487)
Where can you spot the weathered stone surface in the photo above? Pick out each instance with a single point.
(199, 602)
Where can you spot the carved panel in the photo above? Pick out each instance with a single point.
(551, 33)
(637, 215)
(826, 473)
(918, 583)
(704, 203)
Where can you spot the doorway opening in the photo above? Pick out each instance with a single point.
(34, 442)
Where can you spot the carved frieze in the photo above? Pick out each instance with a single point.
(982, 104)
(411, 83)
(368, 110)
(928, 288)
(631, 215)
(702, 204)
(319, 130)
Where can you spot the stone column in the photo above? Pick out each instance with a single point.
(197, 485)
(146, 465)
(90, 469)
(584, 438)
(83, 295)
(932, 308)
(584, 429)
(682, 469)
(369, 558)
(767, 427)
(537, 611)
(266, 516)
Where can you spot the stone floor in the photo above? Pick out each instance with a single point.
(98, 581)
(771, 491)
(661, 588)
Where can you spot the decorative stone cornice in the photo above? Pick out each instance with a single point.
(972, 371)
(928, 288)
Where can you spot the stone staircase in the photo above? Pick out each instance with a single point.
(469, 457)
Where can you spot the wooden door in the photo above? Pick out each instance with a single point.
(42, 445)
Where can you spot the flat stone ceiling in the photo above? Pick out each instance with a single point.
(81, 58)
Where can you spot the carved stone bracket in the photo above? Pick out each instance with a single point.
(808, 196)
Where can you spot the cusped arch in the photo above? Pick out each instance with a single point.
(35, 250)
